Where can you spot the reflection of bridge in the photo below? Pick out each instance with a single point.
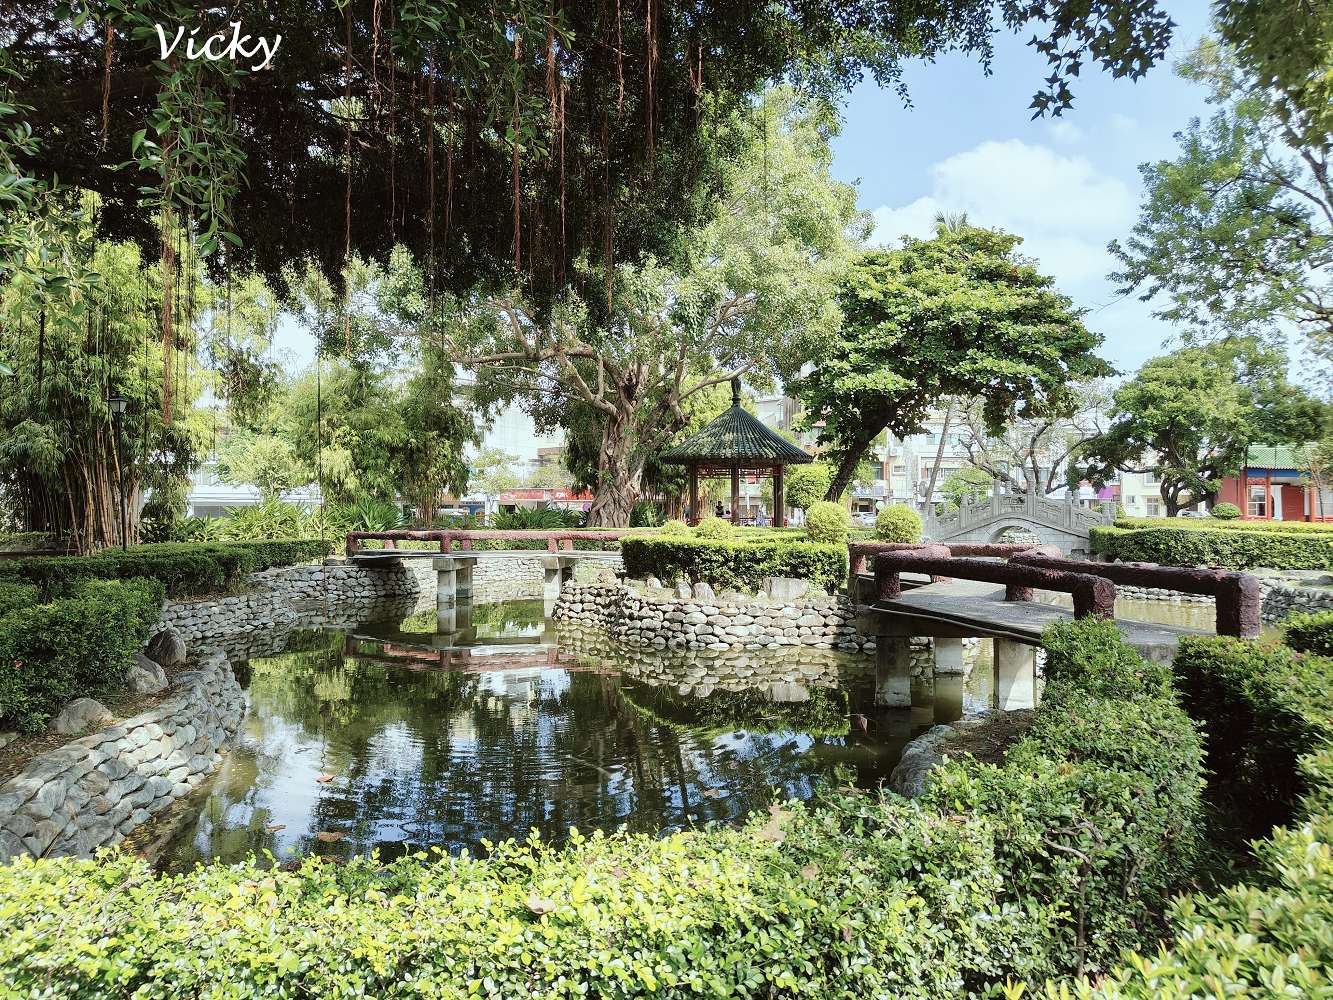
(1053, 522)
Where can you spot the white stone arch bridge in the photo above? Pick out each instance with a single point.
(1052, 522)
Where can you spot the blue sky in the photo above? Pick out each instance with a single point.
(1067, 185)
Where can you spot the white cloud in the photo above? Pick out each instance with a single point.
(1063, 131)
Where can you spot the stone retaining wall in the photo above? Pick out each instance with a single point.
(1279, 600)
(93, 791)
(507, 579)
(656, 617)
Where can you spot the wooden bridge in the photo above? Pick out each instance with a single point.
(990, 592)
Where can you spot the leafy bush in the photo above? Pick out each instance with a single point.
(897, 523)
(368, 513)
(536, 518)
(184, 568)
(827, 522)
(1225, 511)
(270, 518)
(806, 485)
(79, 644)
(1207, 524)
(733, 564)
(645, 514)
(714, 528)
(17, 595)
(1312, 633)
(674, 527)
(1216, 543)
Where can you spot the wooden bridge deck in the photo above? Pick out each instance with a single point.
(964, 608)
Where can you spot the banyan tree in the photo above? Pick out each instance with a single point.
(735, 444)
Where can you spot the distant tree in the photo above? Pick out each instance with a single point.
(264, 461)
(491, 472)
(960, 314)
(806, 484)
(1189, 416)
(1031, 455)
(967, 484)
(1236, 233)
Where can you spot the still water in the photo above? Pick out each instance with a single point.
(395, 737)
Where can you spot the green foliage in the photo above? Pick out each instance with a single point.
(645, 515)
(897, 523)
(536, 519)
(1227, 544)
(960, 314)
(966, 485)
(733, 564)
(1199, 524)
(1310, 633)
(806, 485)
(714, 528)
(674, 527)
(827, 522)
(265, 461)
(270, 518)
(81, 643)
(366, 513)
(17, 595)
(183, 568)
(1197, 410)
(1225, 511)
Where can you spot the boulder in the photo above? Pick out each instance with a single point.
(146, 676)
(80, 714)
(702, 591)
(683, 590)
(167, 648)
(785, 589)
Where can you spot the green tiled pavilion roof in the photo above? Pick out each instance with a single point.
(1273, 456)
(737, 436)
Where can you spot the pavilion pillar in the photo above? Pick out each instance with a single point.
(735, 494)
(779, 499)
(694, 495)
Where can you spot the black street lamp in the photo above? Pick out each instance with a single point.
(118, 402)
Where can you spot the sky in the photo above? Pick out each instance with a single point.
(1067, 185)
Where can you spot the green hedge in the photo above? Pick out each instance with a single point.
(184, 568)
(1217, 524)
(1270, 726)
(1310, 633)
(734, 564)
(79, 644)
(1056, 859)
(1215, 543)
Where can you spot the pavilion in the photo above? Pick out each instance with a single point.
(735, 443)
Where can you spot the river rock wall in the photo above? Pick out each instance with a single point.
(1281, 597)
(92, 792)
(646, 616)
(507, 579)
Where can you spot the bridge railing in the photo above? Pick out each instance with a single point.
(1239, 600)
(859, 554)
(557, 540)
(1093, 595)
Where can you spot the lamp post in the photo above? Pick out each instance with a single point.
(118, 402)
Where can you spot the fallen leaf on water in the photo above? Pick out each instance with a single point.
(772, 830)
(274, 827)
(539, 905)
(810, 871)
(324, 779)
(329, 836)
(714, 793)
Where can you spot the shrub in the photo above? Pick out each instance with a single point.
(714, 527)
(78, 644)
(1225, 511)
(897, 523)
(17, 595)
(827, 522)
(1203, 524)
(733, 564)
(184, 568)
(536, 519)
(806, 485)
(674, 527)
(1312, 633)
(1216, 543)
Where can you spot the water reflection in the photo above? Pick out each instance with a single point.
(402, 735)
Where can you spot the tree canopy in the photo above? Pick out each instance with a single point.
(1189, 417)
(959, 314)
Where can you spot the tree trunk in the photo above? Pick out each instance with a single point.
(939, 455)
(846, 469)
(619, 477)
(1170, 497)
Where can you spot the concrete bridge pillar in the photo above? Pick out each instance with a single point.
(948, 656)
(557, 571)
(453, 579)
(893, 672)
(1015, 675)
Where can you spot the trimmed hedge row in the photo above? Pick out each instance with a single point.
(184, 568)
(1220, 524)
(1051, 862)
(734, 564)
(79, 644)
(1215, 545)
(1310, 633)
(1271, 732)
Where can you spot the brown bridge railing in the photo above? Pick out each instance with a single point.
(556, 540)
(1239, 600)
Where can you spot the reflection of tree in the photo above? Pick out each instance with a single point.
(500, 618)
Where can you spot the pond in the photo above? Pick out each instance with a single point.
(396, 736)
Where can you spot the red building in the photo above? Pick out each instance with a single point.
(1274, 487)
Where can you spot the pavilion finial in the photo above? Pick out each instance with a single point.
(736, 390)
